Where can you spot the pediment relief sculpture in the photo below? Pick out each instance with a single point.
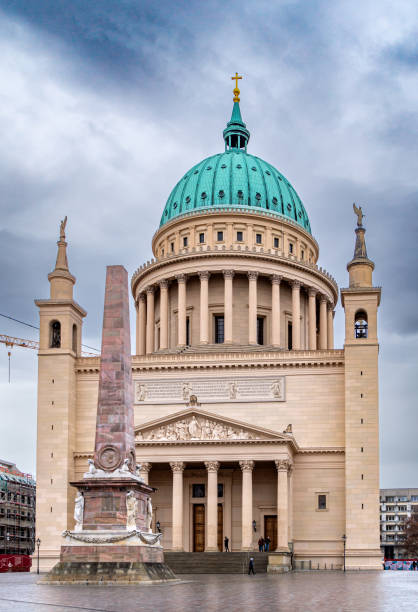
(196, 427)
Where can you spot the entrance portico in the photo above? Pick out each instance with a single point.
(222, 478)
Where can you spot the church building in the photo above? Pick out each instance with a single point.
(248, 422)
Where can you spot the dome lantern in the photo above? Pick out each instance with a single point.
(236, 135)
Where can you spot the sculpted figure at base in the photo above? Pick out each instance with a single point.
(149, 515)
(131, 510)
(79, 511)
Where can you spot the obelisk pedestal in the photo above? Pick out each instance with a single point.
(112, 542)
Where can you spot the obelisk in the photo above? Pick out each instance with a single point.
(112, 542)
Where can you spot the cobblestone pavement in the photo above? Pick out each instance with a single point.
(296, 592)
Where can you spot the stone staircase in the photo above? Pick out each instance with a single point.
(215, 562)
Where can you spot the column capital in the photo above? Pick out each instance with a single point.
(145, 467)
(283, 465)
(312, 292)
(247, 465)
(252, 275)
(204, 275)
(212, 466)
(330, 306)
(150, 290)
(164, 284)
(228, 273)
(177, 466)
(181, 278)
(323, 298)
(276, 279)
(295, 284)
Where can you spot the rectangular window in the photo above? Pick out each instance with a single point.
(260, 330)
(220, 489)
(276, 243)
(162, 252)
(220, 236)
(201, 238)
(240, 237)
(188, 331)
(322, 502)
(289, 336)
(185, 241)
(389, 499)
(198, 490)
(290, 247)
(302, 254)
(172, 247)
(219, 329)
(414, 497)
(258, 238)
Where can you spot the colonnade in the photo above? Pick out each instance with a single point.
(146, 314)
(284, 502)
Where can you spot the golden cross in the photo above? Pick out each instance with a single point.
(236, 78)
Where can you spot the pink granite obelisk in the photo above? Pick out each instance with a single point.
(112, 542)
(115, 439)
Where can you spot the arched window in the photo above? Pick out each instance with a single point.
(360, 324)
(75, 338)
(55, 334)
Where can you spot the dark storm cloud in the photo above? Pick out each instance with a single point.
(105, 105)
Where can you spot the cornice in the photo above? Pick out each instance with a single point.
(65, 302)
(224, 361)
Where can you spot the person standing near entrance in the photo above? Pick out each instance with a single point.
(260, 544)
(226, 544)
(251, 566)
(267, 543)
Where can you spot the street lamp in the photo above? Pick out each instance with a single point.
(344, 539)
(38, 544)
(7, 542)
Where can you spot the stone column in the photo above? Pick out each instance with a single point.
(141, 325)
(312, 319)
(144, 471)
(295, 315)
(177, 521)
(150, 320)
(247, 504)
(181, 280)
(163, 315)
(290, 512)
(204, 307)
(282, 466)
(330, 330)
(212, 506)
(228, 276)
(323, 323)
(252, 307)
(275, 309)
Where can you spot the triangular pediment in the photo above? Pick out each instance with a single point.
(196, 425)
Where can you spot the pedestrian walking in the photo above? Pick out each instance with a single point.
(226, 544)
(251, 566)
(267, 543)
(260, 544)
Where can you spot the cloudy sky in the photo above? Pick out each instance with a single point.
(106, 104)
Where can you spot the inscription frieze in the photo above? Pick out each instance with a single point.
(210, 390)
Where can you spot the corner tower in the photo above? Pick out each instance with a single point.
(59, 346)
(360, 302)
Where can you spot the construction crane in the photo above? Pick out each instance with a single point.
(11, 341)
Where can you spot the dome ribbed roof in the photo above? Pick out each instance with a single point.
(235, 179)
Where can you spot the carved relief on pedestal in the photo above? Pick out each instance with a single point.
(131, 510)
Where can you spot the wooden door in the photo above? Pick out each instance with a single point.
(198, 527)
(220, 527)
(270, 530)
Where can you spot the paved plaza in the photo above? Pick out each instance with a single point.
(299, 591)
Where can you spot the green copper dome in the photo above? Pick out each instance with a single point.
(235, 180)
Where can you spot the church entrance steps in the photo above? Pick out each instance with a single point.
(215, 562)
